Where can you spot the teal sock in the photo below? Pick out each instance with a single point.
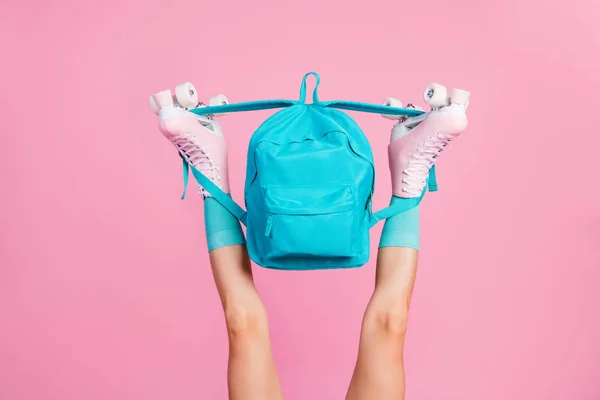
(401, 230)
(222, 228)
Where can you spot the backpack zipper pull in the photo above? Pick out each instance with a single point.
(269, 225)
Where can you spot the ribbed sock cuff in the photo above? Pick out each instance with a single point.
(222, 227)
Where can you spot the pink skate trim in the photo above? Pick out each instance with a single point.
(413, 151)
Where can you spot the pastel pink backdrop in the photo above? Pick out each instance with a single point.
(105, 287)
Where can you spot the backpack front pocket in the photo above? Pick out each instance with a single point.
(310, 221)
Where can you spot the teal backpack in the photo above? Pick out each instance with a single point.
(310, 179)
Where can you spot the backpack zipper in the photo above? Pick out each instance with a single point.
(269, 225)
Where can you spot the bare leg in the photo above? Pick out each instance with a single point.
(379, 371)
(251, 372)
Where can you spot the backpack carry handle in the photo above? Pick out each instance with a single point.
(315, 91)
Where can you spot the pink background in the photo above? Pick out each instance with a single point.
(105, 288)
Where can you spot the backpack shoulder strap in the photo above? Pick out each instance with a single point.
(370, 108)
(407, 203)
(244, 106)
(224, 199)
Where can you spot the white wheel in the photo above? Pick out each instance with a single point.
(392, 102)
(436, 95)
(154, 106)
(186, 95)
(459, 96)
(218, 100)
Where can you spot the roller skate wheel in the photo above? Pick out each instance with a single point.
(154, 106)
(163, 99)
(459, 96)
(392, 102)
(435, 95)
(218, 100)
(186, 95)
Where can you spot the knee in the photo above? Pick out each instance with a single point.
(391, 322)
(244, 320)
